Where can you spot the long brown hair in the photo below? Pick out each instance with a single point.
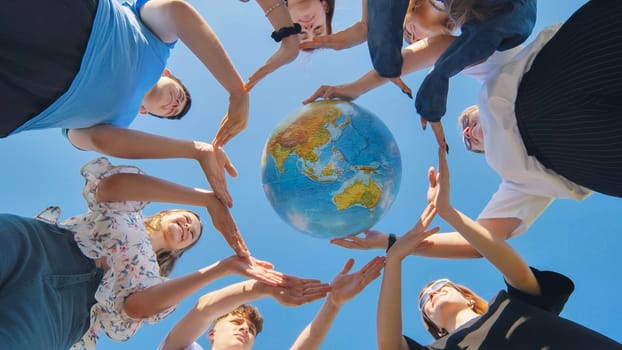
(462, 11)
(479, 306)
(167, 258)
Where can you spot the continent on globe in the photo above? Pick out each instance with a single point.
(330, 169)
(359, 193)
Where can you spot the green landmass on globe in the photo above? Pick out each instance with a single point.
(331, 169)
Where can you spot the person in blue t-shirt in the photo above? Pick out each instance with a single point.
(91, 66)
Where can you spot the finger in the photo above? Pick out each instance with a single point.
(319, 92)
(437, 127)
(347, 267)
(230, 168)
(424, 123)
(432, 177)
(345, 244)
(256, 77)
(400, 84)
(263, 263)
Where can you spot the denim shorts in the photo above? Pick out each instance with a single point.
(47, 286)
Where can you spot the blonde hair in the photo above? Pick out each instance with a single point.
(479, 306)
(462, 11)
(167, 258)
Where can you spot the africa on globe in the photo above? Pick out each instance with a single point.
(331, 169)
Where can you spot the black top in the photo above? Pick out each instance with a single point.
(516, 320)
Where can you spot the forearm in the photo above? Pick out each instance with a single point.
(137, 187)
(417, 56)
(389, 314)
(424, 53)
(313, 335)
(130, 144)
(203, 42)
(450, 245)
(279, 16)
(494, 248)
(209, 307)
(150, 301)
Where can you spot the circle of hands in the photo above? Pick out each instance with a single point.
(290, 290)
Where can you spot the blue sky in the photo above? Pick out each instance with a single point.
(579, 239)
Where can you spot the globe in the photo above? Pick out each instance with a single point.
(331, 169)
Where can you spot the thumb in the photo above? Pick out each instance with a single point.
(347, 267)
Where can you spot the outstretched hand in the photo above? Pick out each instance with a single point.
(402, 86)
(286, 53)
(371, 240)
(300, 291)
(415, 237)
(259, 270)
(346, 286)
(214, 161)
(225, 224)
(346, 92)
(234, 121)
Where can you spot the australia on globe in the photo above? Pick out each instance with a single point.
(331, 169)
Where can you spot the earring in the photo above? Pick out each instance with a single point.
(471, 303)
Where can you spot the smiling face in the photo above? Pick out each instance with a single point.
(166, 99)
(311, 15)
(180, 229)
(443, 302)
(424, 20)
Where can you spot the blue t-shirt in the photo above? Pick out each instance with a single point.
(123, 60)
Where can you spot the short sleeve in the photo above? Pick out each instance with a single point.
(509, 202)
(97, 170)
(555, 287)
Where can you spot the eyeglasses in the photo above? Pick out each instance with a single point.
(466, 139)
(434, 287)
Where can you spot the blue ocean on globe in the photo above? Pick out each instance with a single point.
(331, 169)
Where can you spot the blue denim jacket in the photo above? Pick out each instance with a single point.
(479, 39)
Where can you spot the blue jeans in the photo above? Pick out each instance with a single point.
(47, 286)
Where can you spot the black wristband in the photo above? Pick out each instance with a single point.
(391, 240)
(284, 32)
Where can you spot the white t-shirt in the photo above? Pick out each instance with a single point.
(193, 346)
(528, 187)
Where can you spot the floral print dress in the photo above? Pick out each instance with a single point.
(114, 231)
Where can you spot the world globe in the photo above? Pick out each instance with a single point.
(331, 169)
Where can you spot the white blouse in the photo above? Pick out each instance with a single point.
(528, 187)
(116, 232)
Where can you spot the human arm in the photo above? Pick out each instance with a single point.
(172, 19)
(389, 315)
(343, 288)
(149, 301)
(419, 55)
(495, 249)
(140, 187)
(288, 50)
(133, 144)
(344, 39)
(214, 304)
(449, 245)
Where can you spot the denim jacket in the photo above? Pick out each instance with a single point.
(510, 27)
